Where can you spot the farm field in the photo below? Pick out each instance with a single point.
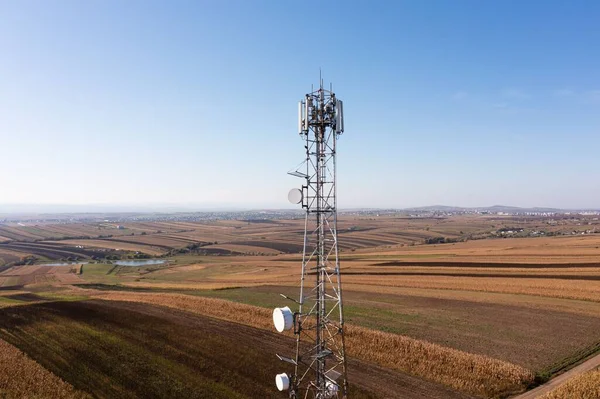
(357, 233)
(19, 276)
(500, 331)
(165, 353)
(528, 304)
(20, 377)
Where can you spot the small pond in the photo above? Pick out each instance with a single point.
(63, 264)
(139, 262)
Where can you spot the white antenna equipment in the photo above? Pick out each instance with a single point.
(295, 196)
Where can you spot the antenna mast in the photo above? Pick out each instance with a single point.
(319, 365)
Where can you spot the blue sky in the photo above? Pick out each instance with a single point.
(467, 103)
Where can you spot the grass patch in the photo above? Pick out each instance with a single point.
(57, 296)
(99, 272)
(387, 320)
(96, 269)
(9, 302)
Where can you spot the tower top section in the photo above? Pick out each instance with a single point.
(321, 109)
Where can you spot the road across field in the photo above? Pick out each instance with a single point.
(554, 383)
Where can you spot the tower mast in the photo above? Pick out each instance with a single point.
(320, 358)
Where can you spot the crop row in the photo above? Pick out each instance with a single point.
(489, 265)
(555, 288)
(22, 377)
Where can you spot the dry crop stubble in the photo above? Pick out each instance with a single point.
(584, 386)
(468, 373)
(575, 306)
(557, 288)
(22, 377)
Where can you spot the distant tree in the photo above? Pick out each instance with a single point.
(435, 240)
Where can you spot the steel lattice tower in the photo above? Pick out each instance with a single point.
(320, 359)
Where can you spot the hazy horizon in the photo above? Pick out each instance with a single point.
(7, 209)
(464, 103)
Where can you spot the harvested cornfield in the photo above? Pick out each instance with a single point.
(466, 372)
(584, 386)
(556, 288)
(472, 374)
(22, 377)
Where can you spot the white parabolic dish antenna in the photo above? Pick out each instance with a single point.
(283, 318)
(282, 381)
(295, 196)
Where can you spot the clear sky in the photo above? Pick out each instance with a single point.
(465, 103)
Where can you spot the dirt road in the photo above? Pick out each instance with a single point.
(555, 382)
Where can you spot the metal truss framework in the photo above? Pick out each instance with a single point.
(320, 361)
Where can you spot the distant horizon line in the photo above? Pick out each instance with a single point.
(59, 208)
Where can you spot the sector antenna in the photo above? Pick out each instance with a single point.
(317, 368)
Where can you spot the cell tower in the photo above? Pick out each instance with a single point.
(319, 364)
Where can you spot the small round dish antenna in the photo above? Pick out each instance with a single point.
(282, 381)
(283, 318)
(295, 196)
